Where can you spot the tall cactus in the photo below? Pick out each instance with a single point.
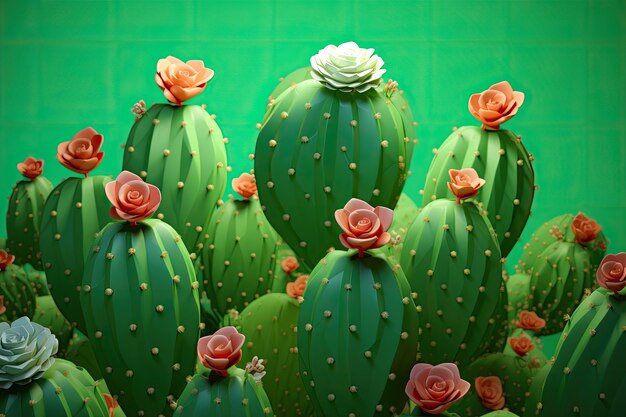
(17, 296)
(25, 211)
(498, 156)
(327, 140)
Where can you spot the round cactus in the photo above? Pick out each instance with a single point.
(48, 315)
(80, 353)
(17, 297)
(518, 290)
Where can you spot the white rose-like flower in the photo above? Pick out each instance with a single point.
(347, 68)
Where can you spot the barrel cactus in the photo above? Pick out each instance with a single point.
(140, 302)
(48, 315)
(329, 139)
(453, 262)
(24, 213)
(498, 156)
(180, 149)
(224, 390)
(16, 294)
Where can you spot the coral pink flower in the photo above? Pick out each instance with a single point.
(496, 105)
(521, 345)
(289, 264)
(529, 320)
(5, 260)
(221, 350)
(2, 306)
(180, 80)
(111, 404)
(489, 390)
(82, 153)
(296, 289)
(435, 388)
(364, 226)
(245, 185)
(132, 198)
(585, 229)
(465, 183)
(611, 273)
(31, 168)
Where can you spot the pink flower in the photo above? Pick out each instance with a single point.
(5, 259)
(180, 80)
(132, 198)
(31, 168)
(489, 390)
(364, 226)
(521, 345)
(245, 185)
(2, 306)
(585, 229)
(82, 153)
(529, 320)
(221, 350)
(465, 183)
(496, 105)
(435, 388)
(611, 273)
(289, 264)
(296, 289)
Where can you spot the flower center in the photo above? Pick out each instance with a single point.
(184, 73)
(617, 270)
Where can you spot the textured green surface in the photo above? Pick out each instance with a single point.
(535, 391)
(142, 313)
(63, 391)
(38, 280)
(452, 261)
(79, 351)
(404, 214)
(316, 150)
(180, 149)
(270, 325)
(518, 290)
(75, 211)
(24, 218)
(357, 336)
(237, 395)
(48, 315)
(19, 295)
(586, 378)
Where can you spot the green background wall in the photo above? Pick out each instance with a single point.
(65, 65)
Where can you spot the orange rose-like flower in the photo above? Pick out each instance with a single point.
(2, 306)
(611, 273)
(31, 168)
(221, 350)
(489, 390)
(496, 105)
(82, 153)
(529, 320)
(296, 289)
(180, 80)
(521, 345)
(245, 185)
(364, 226)
(585, 229)
(435, 388)
(132, 198)
(5, 260)
(111, 403)
(465, 183)
(289, 264)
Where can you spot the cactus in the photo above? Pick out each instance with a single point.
(270, 325)
(140, 302)
(24, 214)
(180, 149)
(518, 289)
(587, 378)
(3, 243)
(48, 315)
(79, 352)
(38, 280)
(452, 261)
(357, 335)
(18, 297)
(74, 212)
(533, 402)
(281, 277)
(403, 217)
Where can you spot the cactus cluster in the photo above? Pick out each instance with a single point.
(18, 296)
(48, 315)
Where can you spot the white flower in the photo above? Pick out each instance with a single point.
(347, 67)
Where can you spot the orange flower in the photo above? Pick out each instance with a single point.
(31, 168)
(180, 80)
(364, 226)
(496, 105)
(132, 198)
(245, 185)
(82, 153)
(289, 264)
(465, 183)
(435, 388)
(296, 289)
(585, 229)
(489, 390)
(529, 320)
(611, 273)
(5, 260)
(221, 350)
(521, 345)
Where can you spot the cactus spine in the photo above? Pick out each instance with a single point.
(140, 302)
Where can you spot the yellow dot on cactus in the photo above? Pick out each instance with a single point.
(270, 184)
(430, 272)
(132, 327)
(331, 397)
(445, 227)
(154, 350)
(110, 256)
(352, 166)
(353, 388)
(194, 285)
(57, 236)
(317, 155)
(444, 286)
(327, 116)
(384, 143)
(453, 254)
(98, 334)
(328, 313)
(87, 288)
(155, 121)
(166, 152)
(516, 202)
(32, 403)
(377, 116)
(108, 291)
(159, 308)
(352, 328)
(210, 187)
(384, 315)
(459, 300)
(501, 151)
(129, 374)
(176, 367)
(567, 370)
(307, 106)
(392, 376)
(487, 252)
(143, 286)
(284, 115)
(291, 171)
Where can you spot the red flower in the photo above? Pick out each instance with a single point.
(221, 350)
(364, 226)
(435, 388)
(31, 168)
(82, 153)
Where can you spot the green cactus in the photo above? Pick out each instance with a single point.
(18, 296)
(24, 217)
(75, 211)
(533, 402)
(180, 149)
(404, 215)
(140, 302)
(318, 148)
(48, 315)
(502, 160)
(236, 265)
(79, 352)
(236, 395)
(38, 280)
(452, 261)
(357, 336)
(281, 278)
(64, 390)
(270, 325)
(3, 243)
(587, 378)
(518, 290)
